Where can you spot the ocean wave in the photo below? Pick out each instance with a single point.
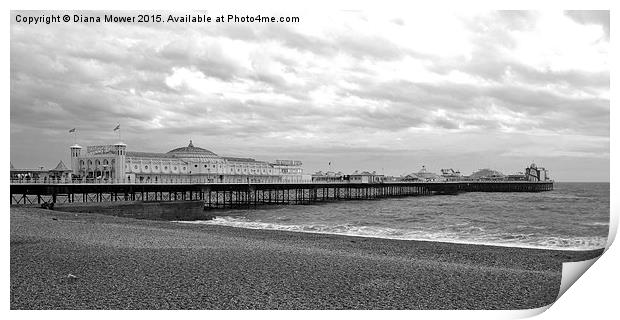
(472, 235)
(563, 196)
(597, 223)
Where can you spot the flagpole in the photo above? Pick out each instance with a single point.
(74, 131)
(118, 127)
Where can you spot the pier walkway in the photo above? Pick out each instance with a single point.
(240, 195)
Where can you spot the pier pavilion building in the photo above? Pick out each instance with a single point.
(355, 177)
(535, 173)
(188, 164)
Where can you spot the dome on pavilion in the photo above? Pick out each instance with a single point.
(192, 152)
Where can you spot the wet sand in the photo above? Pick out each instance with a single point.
(90, 261)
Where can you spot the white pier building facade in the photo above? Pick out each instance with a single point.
(190, 164)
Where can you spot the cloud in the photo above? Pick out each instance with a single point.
(598, 17)
(358, 82)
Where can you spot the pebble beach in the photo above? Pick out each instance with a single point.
(61, 260)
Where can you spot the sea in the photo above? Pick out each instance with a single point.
(574, 216)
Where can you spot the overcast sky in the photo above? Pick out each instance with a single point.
(362, 90)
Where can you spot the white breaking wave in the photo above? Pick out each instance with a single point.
(597, 224)
(476, 237)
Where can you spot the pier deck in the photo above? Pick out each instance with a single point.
(233, 195)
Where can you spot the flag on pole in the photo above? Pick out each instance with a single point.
(72, 130)
(118, 127)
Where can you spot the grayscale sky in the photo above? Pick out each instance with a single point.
(363, 90)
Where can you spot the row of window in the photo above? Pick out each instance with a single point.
(143, 178)
(156, 167)
(233, 169)
(175, 168)
(97, 162)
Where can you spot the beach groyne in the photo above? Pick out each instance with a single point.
(160, 210)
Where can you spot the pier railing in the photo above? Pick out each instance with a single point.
(124, 181)
(197, 181)
(229, 195)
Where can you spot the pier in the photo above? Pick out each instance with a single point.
(239, 195)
